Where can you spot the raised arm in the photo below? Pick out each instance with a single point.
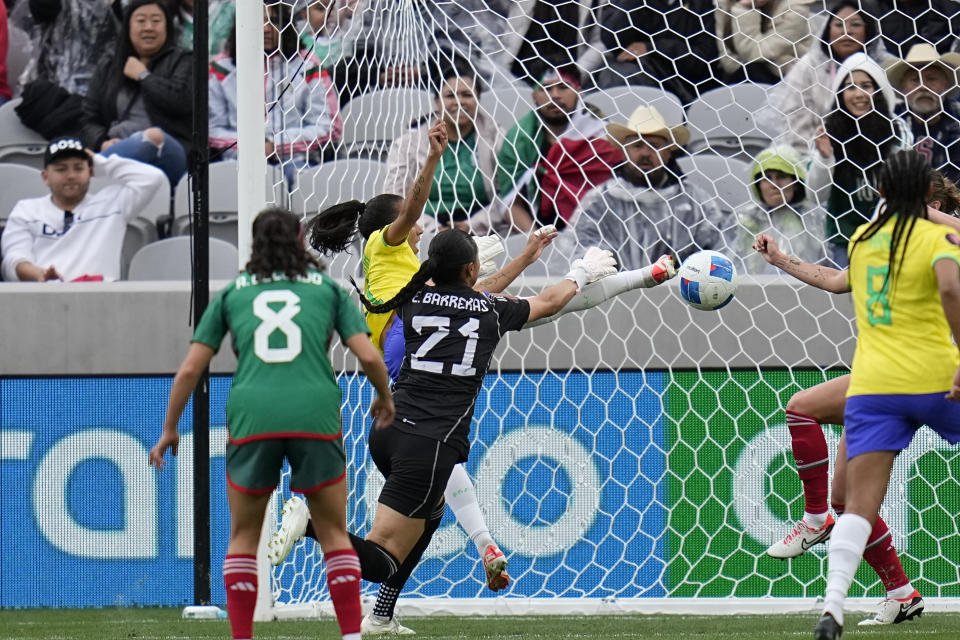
(537, 242)
(412, 206)
(826, 278)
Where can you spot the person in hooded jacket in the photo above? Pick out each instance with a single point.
(799, 103)
(857, 137)
(780, 207)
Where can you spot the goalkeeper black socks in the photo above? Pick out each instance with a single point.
(391, 588)
(376, 563)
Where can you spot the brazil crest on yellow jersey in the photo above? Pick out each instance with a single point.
(904, 344)
(386, 269)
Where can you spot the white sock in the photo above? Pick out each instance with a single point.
(461, 497)
(901, 593)
(815, 520)
(846, 550)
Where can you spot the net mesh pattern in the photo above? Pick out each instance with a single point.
(648, 475)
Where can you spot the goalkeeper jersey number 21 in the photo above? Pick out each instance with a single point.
(450, 334)
(284, 385)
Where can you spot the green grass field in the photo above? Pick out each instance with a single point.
(149, 624)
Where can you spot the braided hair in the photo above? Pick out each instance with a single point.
(449, 251)
(277, 246)
(904, 182)
(333, 229)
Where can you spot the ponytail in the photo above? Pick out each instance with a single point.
(332, 230)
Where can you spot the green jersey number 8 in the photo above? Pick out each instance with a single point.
(878, 295)
(281, 320)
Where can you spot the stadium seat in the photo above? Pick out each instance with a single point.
(18, 143)
(223, 201)
(618, 103)
(140, 233)
(19, 54)
(337, 181)
(506, 105)
(19, 182)
(722, 120)
(367, 131)
(170, 259)
(722, 177)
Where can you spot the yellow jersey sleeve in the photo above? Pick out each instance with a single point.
(386, 269)
(904, 344)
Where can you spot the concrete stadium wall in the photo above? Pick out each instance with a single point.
(144, 328)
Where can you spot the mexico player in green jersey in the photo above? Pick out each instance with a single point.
(284, 403)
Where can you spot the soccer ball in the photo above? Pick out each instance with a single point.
(708, 280)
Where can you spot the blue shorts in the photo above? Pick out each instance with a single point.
(394, 347)
(884, 422)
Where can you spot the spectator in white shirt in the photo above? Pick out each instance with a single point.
(71, 234)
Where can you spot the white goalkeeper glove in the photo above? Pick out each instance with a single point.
(596, 263)
(488, 248)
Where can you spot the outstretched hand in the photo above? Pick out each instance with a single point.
(596, 263)
(438, 139)
(538, 241)
(767, 247)
(168, 440)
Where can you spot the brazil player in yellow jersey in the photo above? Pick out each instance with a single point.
(905, 278)
(824, 403)
(284, 403)
(391, 231)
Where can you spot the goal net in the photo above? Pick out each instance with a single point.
(634, 456)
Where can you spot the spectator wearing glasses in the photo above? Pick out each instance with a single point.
(74, 235)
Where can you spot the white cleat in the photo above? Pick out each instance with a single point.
(799, 541)
(371, 626)
(293, 525)
(894, 611)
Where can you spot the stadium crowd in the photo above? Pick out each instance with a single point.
(847, 84)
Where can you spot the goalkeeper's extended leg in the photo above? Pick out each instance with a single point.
(381, 620)
(463, 501)
(613, 285)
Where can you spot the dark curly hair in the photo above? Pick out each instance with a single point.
(449, 251)
(277, 246)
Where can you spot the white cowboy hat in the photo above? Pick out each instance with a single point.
(647, 121)
(920, 56)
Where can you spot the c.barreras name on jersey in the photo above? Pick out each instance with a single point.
(452, 301)
(248, 279)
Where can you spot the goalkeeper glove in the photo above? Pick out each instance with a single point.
(596, 263)
(488, 248)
